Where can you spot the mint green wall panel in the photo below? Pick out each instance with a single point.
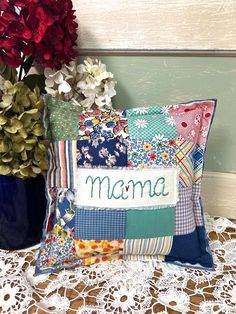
(150, 80)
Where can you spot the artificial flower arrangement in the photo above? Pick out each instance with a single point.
(41, 35)
(32, 33)
(87, 85)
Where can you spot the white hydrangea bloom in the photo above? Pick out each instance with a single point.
(86, 84)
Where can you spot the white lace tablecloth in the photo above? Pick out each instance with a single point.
(124, 287)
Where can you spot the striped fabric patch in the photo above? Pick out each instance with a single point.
(185, 163)
(62, 164)
(152, 246)
(144, 258)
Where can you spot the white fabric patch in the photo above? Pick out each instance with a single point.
(126, 188)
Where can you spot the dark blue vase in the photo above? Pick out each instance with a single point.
(22, 211)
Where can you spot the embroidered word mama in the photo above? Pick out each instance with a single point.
(102, 188)
(114, 188)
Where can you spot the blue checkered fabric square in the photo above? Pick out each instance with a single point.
(98, 224)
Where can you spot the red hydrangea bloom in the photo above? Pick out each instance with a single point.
(23, 3)
(3, 5)
(45, 29)
(11, 46)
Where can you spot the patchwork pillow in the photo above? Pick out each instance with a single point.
(125, 185)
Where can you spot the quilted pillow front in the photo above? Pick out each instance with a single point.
(125, 185)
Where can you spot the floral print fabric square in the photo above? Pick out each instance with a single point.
(147, 154)
(101, 152)
(102, 124)
(66, 122)
(149, 137)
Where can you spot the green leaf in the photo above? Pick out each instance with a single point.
(34, 80)
(13, 78)
(2, 68)
(8, 73)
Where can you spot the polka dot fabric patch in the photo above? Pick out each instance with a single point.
(193, 120)
(124, 157)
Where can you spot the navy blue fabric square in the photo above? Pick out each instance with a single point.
(191, 248)
(101, 153)
(100, 224)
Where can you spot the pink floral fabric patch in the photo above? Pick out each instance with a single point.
(193, 120)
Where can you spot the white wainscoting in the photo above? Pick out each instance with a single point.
(219, 194)
(156, 24)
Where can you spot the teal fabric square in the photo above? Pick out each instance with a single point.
(151, 126)
(142, 223)
(148, 110)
